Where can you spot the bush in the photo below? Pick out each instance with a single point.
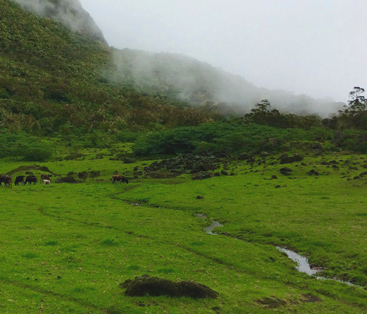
(218, 137)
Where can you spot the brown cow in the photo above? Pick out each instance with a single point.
(19, 179)
(119, 178)
(7, 181)
(30, 180)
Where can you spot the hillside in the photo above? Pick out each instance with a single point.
(68, 12)
(58, 79)
(51, 81)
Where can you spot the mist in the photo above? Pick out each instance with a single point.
(199, 83)
(315, 48)
(300, 55)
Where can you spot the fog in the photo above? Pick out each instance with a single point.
(303, 56)
(312, 47)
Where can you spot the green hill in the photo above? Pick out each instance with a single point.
(51, 81)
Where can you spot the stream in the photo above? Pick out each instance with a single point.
(214, 224)
(303, 266)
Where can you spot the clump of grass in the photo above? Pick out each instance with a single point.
(30, 255)
(133, 267)
(51, 243)
(110, 242)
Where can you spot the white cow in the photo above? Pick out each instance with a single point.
(46, 182)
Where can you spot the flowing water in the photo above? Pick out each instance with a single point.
(303, 265)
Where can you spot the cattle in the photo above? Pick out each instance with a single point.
(19, 179)
(2, 176)
(45, 177)
(30, 180)
(7, 181)
(46, 182)
(119, 178)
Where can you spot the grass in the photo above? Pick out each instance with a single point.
(67, 247)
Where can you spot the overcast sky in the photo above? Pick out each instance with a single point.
(314, 47)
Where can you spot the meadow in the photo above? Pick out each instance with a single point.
(66, 248)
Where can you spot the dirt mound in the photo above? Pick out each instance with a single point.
(271, 303)
(32, 167)
(154, 286)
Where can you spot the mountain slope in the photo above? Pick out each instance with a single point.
(68, 12)
(51, 81)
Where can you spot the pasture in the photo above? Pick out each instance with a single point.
(66, 248)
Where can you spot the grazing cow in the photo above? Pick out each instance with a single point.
(119, 178)
(7, 181)
(45, 177)
(30, 180)
(46, 182)
(19, 179)
(2, 176)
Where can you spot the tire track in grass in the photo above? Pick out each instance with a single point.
(80, 302)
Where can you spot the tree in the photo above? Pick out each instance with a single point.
(262, 107)
(358, 103)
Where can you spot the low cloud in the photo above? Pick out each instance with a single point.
(197, 83)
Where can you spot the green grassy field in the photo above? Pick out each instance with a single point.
(65, 248)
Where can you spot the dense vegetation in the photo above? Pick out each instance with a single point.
(57, 83)
(52, 83)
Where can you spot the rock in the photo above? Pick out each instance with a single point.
(286, 171)
(277, 186)
(199, 197)
(223, 172)
(83, 175)
(154, 286)
(274, 177)
(317, 146)
(289, 159)
(243, 156)
(129, 160)
(202, 176)
(313, 172)
(66, 180)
